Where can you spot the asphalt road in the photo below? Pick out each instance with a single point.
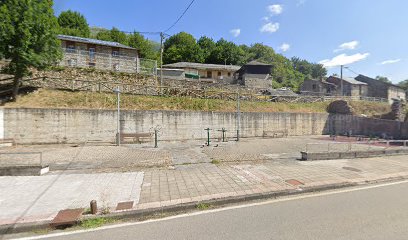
(374, 213)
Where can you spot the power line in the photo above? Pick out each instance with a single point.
(182, 15)
(348, 68)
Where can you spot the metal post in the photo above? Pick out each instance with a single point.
(341, 79)
(155, 138)
(117, 91)
(208, 136)
(161, 62)
(238, 114)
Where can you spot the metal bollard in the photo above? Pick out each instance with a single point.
(208, 136)
(94, 207)
(155, 138)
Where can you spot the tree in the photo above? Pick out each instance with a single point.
(113, 35)
(145, 46)
(207, 46)
(226, 52)
(73, 23)
(383, 79)
(28, 37)
(404, 85)
(182, 47)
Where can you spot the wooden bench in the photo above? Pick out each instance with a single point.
(275, 133)
(136, 137)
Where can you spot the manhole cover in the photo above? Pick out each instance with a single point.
(352, 169)
(124, 206)
(294, 182)
(67, 217)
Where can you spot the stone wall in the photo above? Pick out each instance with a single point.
(74, 126)
(1, 123)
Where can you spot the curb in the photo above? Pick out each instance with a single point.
(33, 226)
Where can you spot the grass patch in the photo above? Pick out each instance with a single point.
(44, 98)
(215, 161)
(95, 222)
(203, 206)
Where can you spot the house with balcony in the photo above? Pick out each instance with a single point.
(98, 54)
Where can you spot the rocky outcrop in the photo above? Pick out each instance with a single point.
(340, 107)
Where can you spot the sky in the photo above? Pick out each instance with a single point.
(368, 36)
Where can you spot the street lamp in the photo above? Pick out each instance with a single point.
(117, 91)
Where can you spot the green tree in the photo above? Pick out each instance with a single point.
(207, 46)
(261, 52)
(145, 46)
(404, 85)
(226, 52)
(182, 47)
(73, 23)
(27, 37)
(383, 79)
(113, 35)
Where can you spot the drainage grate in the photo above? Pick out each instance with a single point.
(67, 217)
(124, 206)
(352, 169)
(294, 182)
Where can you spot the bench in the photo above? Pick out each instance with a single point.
(136, 137)
(275, 133)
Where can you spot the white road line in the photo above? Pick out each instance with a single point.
(284, 199)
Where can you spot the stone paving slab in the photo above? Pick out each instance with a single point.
(25, 199)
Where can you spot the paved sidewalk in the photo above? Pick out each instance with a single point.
(29, 199)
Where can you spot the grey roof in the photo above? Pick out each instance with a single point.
(202, 66)
(353, 81)
(93, 41)
(349, 80)
(257, 63)
(363, 78)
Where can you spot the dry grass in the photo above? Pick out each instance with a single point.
(91, 100)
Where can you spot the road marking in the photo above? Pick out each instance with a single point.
(283, 199)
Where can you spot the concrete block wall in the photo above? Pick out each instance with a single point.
(28, 126)
(1, 123)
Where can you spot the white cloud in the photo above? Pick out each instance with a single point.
(235, 32)
(269, 27)
(284, 47)
(344, 59)
(347, 46)
(266, 19)
(275, 9)
(391, 61)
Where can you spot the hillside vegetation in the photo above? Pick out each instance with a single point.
(91, 100)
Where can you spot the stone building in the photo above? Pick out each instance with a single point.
(381, 89)
(101, 55)
(351, 87)
(213, 72)
(315, 87)
(255, 74)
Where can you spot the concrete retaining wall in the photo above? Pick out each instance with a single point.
(1, 123)
(74, 126)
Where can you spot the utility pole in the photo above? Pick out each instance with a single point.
(161, 62)
(341, 79)
(238, 114)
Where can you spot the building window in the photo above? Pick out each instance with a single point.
(229, 74)
(92, 53)
(70, 48)
(209, 74)
(115, 53)
(72, 62)
(116, 67)
(219, 74)
(314, 86)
